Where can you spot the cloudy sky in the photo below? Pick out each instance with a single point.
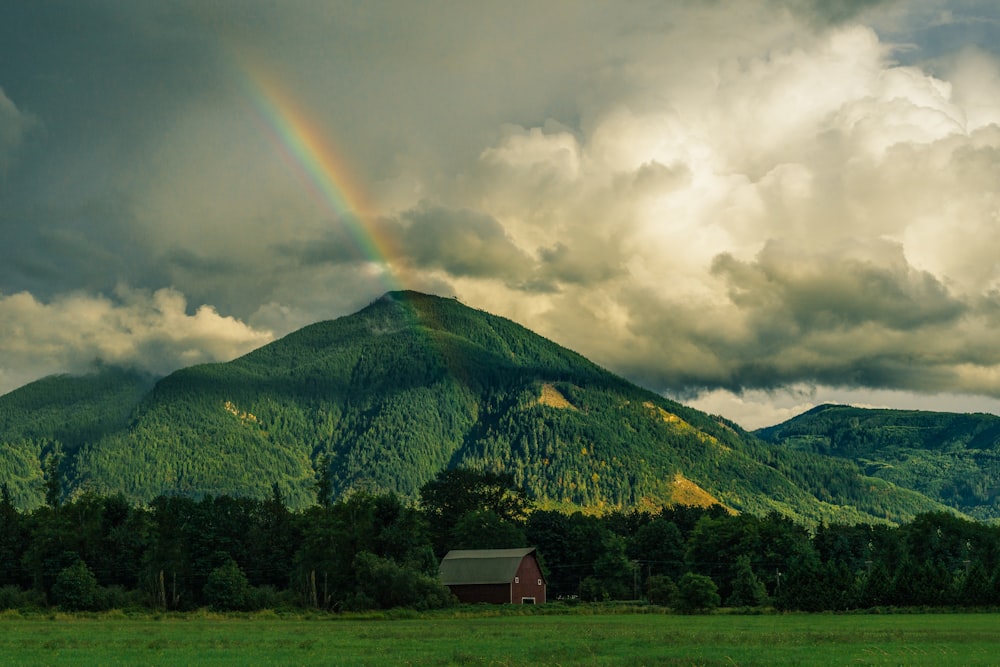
(752, 205)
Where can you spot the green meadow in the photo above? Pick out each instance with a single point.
(473, 638)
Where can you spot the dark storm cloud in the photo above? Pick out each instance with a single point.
(845, 287)
(334, 246)
(848, 316)
(575, 264)
(735, 193)
(461, 242)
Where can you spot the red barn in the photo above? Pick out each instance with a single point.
(497, 576)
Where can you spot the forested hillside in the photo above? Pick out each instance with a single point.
(60, 414)
(384, 399)
(954, 458)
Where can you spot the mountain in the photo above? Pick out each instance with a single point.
(388, 396)
(952, 458)
(64, 412)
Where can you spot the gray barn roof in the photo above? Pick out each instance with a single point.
(482, 566)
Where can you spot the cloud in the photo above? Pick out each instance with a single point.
(149, 331)
(810, 213)
(739, 194)
(14, 127)
(462, 243)
(852, 284)
(825, 12)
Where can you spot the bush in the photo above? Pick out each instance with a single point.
(76, 589)
(119, 597)
(696, 593)
(389, 584)
(269, 597)
(661, 590)
(12, 597)
(227, 588)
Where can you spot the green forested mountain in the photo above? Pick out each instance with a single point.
(953, 458)
(59, 414)
(385, 398)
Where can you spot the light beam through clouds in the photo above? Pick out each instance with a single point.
(754, 206)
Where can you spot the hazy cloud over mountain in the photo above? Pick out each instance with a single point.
(755, 204)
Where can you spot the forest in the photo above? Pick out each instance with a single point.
(413, 383)
(377, 551)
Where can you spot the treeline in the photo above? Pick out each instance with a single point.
(372, 550)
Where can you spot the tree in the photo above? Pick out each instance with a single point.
(613, 570)
(659, 546)
(274, 539)
(75, 588)
(227, 588)
(484, 529)
(696, 593)
(715, 543)
(13, 541)
(456, 492)
(53, 479)
(748, 590)
(661, 590)
(324, 481)
(876, 586)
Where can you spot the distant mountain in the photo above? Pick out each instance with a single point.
(951, 458)
(390, 395)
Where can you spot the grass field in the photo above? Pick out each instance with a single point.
(571, 639)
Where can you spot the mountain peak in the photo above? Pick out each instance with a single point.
(409, 385)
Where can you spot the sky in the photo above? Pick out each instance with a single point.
(751, 206)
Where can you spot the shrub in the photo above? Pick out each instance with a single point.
(389, 584)
(696, 593)
(76, 589)
(12, 597)
(661, 590)
(227, 588)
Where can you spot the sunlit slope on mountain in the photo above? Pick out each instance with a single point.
(414, 383)
(951, 458)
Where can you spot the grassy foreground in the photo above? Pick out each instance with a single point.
(477, 639)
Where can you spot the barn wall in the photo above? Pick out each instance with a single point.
(491, 593)
(526, 585)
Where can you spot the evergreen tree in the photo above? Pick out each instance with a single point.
(324, 481)
(748, 590)
(53, 479)
(13, 540)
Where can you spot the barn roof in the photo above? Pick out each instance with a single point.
(482, 566)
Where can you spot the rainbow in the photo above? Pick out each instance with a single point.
(311, 151)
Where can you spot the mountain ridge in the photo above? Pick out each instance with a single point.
(413, 383)
(952, 456)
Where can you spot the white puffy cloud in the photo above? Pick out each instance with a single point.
(812, 212)
(149, 331)
(737, 195)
